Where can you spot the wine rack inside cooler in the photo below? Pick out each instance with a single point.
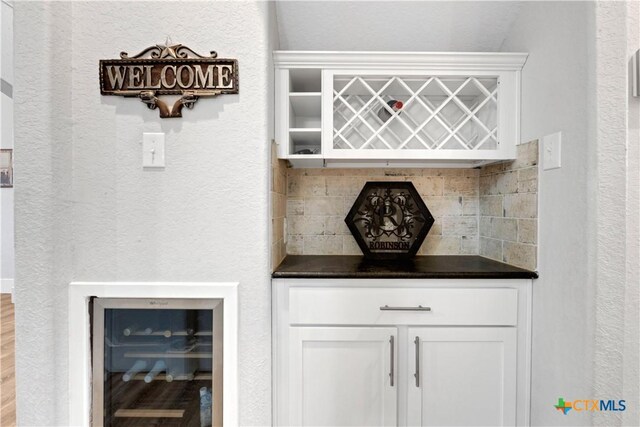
(157, 362)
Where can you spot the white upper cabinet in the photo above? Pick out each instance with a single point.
(383, 108)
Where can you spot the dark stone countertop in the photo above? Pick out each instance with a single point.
(421, 267)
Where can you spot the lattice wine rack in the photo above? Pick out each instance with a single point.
(432, 113)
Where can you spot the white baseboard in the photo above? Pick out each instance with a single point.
(6, 286)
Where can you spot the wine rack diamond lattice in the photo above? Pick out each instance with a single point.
(415, 113)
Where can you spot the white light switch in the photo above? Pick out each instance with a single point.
(152, 150)
(551, 151)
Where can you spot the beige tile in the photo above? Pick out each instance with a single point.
(429, 185)
(295, 185)
(443, 172)
(522, 205)
(347, 204)
(472, 172)
(335, 225)
(485, 226)
(528, 186)
(322, 172)
(278, 205)
(344, 185)
(528, 180)
(349, 246)
(323, 205)
(527, 155)
(520, 255)
(491, 248)
(408, 172)
(469, 245)
(528, 174)
(305, 225)
(279, 181)
(295, 206)
(273, 153)
(295, 172)
(460, 226)
(504, 229)
(277, 229)
(322, 245)
(278, 252)
(507, 182)
(487, 185)
(295, 245)
(354, 185)
(436, 228)
(370, 172)
(528, 231)
(491, 205)
(461, 185)
(470, 206)
(387, 178)
(274, 204)
(275, 256)
(492, 168)
(314, 186)
(445, 205)
(336, 185)
(303, 185)
(440, 245)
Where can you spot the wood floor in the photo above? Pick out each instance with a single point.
(7, 363)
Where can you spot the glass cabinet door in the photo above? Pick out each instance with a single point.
(157, 362)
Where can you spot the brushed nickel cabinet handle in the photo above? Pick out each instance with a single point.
(417, 374)
(391, 373)
(418, 308)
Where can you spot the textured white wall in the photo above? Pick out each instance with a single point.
(585, 310)
(554, 98)
(395, 26)
(7, 252)
(631, 351)
(617, 279)
(87, 210)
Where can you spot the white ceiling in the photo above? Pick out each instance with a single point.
(395, 26)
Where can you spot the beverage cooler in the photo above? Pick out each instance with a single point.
(157, 362)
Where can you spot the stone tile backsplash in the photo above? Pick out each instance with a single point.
(319, 199)
(509, 209)
(489, 211)
(278, 207)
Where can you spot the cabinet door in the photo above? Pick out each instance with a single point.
(462, 376)
(343, 376)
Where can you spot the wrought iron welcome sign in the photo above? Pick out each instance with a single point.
(169, 69)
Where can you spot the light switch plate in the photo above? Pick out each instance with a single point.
(552, 151)
(152, 150)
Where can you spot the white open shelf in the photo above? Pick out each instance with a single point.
(305, 80)
(306, 104)
(305, 139)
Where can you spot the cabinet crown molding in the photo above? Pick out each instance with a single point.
(400, 60)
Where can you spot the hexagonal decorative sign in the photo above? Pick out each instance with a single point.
(389, 220)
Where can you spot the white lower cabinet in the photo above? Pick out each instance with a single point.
(343, 376)
(401, 353)
(462, 376)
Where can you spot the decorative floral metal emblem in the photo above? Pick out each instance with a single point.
(389, 220)
(169, 69)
